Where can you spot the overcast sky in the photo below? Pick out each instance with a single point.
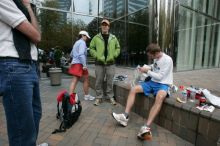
(82, 6)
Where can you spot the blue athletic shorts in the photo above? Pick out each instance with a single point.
(153, 87)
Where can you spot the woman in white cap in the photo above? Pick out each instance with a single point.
(78, 65)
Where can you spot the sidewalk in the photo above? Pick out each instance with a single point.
(95, 126)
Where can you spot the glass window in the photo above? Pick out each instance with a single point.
(137, 5)
(137, 43)
(197, 39)
(54, 26)
(119, 29)
(141, 17)
(112, 8)
(61, 29)
(89, 7)
(210, 7)
(58, 4)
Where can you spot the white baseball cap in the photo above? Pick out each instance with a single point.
(83, 32)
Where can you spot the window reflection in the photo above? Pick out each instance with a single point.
(196, 38)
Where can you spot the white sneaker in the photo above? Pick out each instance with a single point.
(121, 119)
(89, 97)
(144, 130)
(43, 144)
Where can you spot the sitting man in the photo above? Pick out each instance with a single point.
(161, 73)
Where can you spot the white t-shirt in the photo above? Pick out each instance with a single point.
(10, 17)
(162, 70)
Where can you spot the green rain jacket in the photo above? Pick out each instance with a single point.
(97, 49)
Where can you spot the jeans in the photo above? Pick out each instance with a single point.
(19, 85)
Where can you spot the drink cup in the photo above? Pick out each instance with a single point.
(192, 96)
(184, 96)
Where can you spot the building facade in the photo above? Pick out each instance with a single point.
(187, 30)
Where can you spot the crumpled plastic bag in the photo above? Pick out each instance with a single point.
(138, 77)
(215, 100)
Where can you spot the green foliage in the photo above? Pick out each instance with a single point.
(55, 30)
(48, 24)
(57, 56)
(93, 27)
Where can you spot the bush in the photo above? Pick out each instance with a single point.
(57, 56)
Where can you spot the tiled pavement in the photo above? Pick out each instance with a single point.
(95, 126)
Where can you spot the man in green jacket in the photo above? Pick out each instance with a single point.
(105, 48)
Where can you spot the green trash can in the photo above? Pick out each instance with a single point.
(55, 76)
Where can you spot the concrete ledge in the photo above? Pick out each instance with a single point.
(200, 128)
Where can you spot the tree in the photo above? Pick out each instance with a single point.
(57, 56)
(56, 31)
(49, 21)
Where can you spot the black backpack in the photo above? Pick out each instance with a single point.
(68, 112)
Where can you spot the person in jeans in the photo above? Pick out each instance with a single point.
(105, 48)
(19, 79)
(78, 65)
(161, 73)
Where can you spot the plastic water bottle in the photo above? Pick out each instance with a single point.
(184, 96)
(126, 79)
